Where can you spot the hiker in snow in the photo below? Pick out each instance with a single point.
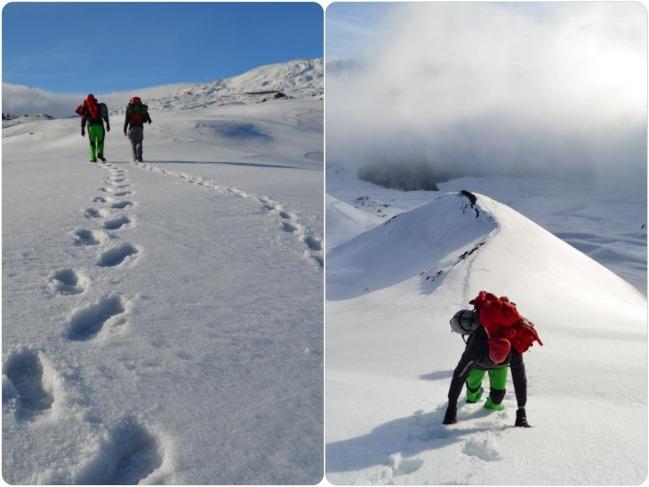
(94, 114)
(136, 114)
(498, 337)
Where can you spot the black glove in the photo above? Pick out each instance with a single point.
(125, 132)
(521, 419)
(150, 122)
(83, 133)
(107, 127)
(451, 415)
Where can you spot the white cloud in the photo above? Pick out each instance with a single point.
(21, 100)
(498, 87)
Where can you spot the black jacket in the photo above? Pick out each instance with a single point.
(476, 356)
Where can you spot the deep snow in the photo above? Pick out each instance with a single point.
(162, 322)
(391, 291)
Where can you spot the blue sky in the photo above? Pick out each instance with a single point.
(103, 47)
(350, 25)
(353, 27)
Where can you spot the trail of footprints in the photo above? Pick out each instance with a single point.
(288, 221)
(129, 452)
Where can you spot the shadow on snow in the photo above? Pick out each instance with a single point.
(409, 436)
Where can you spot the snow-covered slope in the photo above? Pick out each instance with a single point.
(18, 119)
(297, 79)
(390, 354)
(162, 322)
(346, 221)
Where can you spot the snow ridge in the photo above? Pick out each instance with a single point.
(288, 221)
(429, 242)
(294, 79)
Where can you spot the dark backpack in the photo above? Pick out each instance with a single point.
(136, 113)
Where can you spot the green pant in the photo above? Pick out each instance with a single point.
(96, 136)
(497, 384)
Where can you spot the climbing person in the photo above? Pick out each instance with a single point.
(94, 114)
(136, 114)
(497, 338)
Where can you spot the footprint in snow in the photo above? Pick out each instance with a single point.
(89, 237)
(128, 454)
(87, 322)
(312, 242)
(67, 281)
(483, 448)
(123, 193)
(91, 213)
(287, 227)
(121, 204)
(30, 386)
(117, 255)
(117, 223)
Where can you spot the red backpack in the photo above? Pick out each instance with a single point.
(89, 107)
(504, 325)
(495, 313)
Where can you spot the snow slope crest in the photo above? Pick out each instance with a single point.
(427, 241)
(297, 79)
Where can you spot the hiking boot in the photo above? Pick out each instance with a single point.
(473, 396)
(93, 160)
(521, 419)
(489, 404)
(102, 158)
(450, 417)
(139, 159)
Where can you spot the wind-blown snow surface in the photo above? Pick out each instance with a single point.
(162, 322)
(390, 353)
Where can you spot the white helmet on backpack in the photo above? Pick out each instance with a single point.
(465, 321)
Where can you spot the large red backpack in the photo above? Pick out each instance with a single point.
(92, 108)
(495, 313)
(505, 326)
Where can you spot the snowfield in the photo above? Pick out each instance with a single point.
(391, 291)
(162, 321)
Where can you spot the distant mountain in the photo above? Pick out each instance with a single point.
(297, 79)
